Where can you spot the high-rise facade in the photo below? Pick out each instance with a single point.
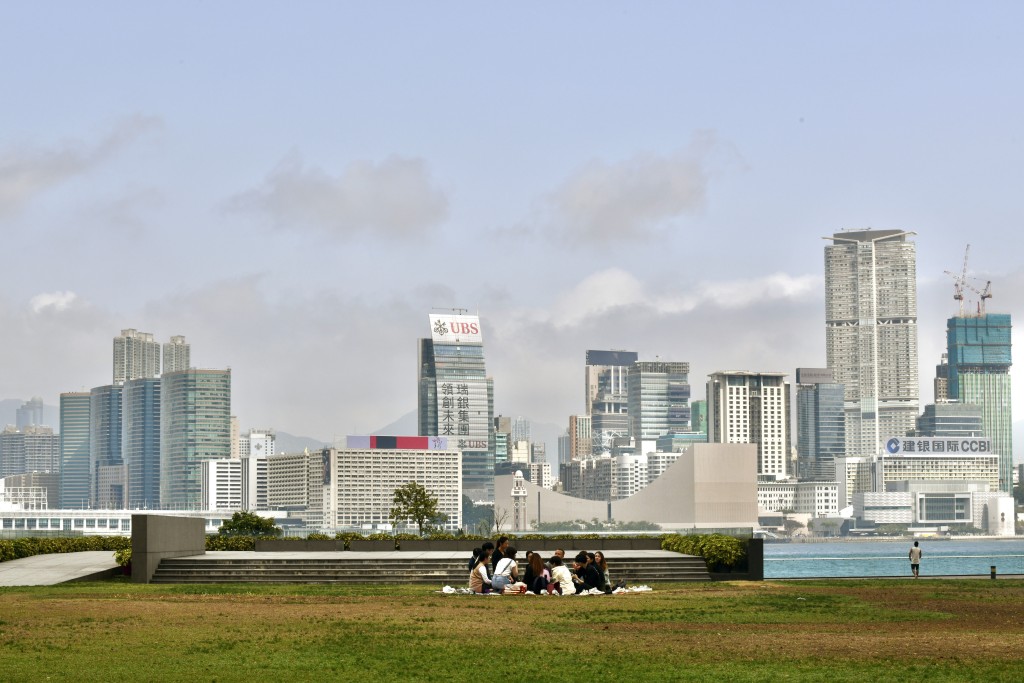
(140, 441)
(580, 443)
(978, 350)
(136, 355)
(821, 424)
(177, 354)
(871, 333)
(951, 420)
(30, 414)
(456, 398)
(30, 449)
(75, 473)
(752, 407)
(195, 426)
(106, 465)
(658, 399)
(606, 397)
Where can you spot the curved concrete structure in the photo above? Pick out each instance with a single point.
(710, 486)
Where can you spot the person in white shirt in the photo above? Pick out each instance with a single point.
(561, 576)
(506, 572)
(915, 559)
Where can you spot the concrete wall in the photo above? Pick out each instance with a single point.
(709, 486)
(155, 537)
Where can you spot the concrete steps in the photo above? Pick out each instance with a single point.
(387, 569)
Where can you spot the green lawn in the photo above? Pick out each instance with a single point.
(829, 631)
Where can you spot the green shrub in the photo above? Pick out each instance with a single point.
(718, 551)
(123, 556)
(18, 548)
(319, 537)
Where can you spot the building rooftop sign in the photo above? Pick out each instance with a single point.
(455, 329)
(916, 446)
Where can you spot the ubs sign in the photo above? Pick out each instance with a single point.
(897, 445)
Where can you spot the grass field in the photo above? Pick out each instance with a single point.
(825, 630)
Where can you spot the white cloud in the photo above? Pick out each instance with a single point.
(395, 198)
(56, 301)
(615, 288)
(631, 200)
(26, 172)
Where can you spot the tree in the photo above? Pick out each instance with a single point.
(792, 526)
(249, 524)
(413, 502)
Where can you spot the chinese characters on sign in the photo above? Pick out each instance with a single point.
(454, 416)
(897, 445)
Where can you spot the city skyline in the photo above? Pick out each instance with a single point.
(576, 197)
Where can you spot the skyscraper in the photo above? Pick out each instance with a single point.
(177, 355)
(821, 424)
(140, 441)
(752, 407)
(979, 358)
(75, 478)
(30, 414)
(455, 398)
(136, 355)
(606, 394)
(871, 333)
(105, 463)
(658, 399)
(195, 425)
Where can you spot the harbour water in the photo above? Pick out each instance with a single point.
(889, 558)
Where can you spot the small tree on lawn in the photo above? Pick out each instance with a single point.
(249, 524)
(414, 502)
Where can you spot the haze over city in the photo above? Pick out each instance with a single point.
(296, 189)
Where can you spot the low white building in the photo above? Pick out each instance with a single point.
(811, 498)
(360, 481)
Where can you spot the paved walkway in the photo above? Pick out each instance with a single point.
(47, 570)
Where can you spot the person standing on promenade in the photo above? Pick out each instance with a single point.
(915, 559)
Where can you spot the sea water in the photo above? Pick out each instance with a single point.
(889, 558)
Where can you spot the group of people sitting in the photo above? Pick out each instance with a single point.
(494, 569)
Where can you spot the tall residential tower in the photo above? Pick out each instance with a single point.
(752, 407)
(871, 333)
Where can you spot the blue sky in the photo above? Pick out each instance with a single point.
(294, 187)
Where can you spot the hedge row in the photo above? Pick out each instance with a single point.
(27, 547)
(717, 550)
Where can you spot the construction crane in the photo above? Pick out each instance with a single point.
(959, 281)
(982, 295)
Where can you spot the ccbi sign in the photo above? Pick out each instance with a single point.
(455, 329)
(897, 445)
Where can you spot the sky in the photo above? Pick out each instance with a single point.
(295, 187)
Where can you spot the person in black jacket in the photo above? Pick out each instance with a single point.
(486, 547)
(499, 552)
(586, 574)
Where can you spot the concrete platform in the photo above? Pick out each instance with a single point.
(54, 568)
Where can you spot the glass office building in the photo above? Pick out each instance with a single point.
(455, 398)
(195, 426)
(979, 358)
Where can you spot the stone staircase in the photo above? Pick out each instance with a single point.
(393, 568)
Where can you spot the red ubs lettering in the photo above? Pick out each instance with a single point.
(465, 328)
